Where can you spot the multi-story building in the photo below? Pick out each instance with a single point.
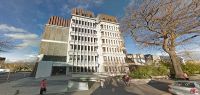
(84, 43)
(2, 60)
(141, 59)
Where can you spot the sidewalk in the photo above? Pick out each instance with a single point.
(30, 86)
(58, 86)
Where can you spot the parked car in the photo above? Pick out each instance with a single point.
(185, 88)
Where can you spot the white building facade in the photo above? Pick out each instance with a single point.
(94, 44)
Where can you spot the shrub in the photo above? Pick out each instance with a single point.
(149, 70)
(191, 68)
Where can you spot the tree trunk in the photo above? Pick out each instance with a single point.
(176, 65)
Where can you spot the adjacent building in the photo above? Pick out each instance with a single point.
(82, 43)
(141, 59)
(2, 60)
(135, 59)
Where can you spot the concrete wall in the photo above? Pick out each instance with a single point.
(44, 69)
(54, 41)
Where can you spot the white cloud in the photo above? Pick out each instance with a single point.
(98, 1)
(7, 28)
(27, 38)
(22, 36)
(27, 43)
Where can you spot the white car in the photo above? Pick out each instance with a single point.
(185, 88)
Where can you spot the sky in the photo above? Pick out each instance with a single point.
(22, 22)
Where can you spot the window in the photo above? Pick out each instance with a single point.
(79, 29)
(70, 57)
(82, 22)
(95, 32)
(79, 38)
(85, 57)
(81, 57)
(86, 39)
(92, 58)
(88, 58)
(73, 28)
(95, 58)
(79, 47)
(76, 29)
(75, 37)
(75, 47)
(95, 48)
(71, 46)
(101, 26)
(103, 40)
(88, 48)
(108, 58)
(72, 37)
(91, 31)
(82, 30)
(79, 22)
(85, 47)
(88, 24)
(102, 33)
(82, 39)
(78, 57)
(104, 49)
(85, 30)
(105, 58)
(91, 48)
(74, 57)
(73, 20)
(91, 39)
(107, 49)
(93, 24)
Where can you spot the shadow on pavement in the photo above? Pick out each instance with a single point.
(112, 87)
(160, 85)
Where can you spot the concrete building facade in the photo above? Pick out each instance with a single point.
(84, 43)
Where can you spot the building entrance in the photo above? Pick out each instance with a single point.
(59, 70)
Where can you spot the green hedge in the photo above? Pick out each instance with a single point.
(147, 71)
(191, 68)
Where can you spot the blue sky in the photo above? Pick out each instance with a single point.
(23, 22)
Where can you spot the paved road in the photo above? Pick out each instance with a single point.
(114, 87)
(57, 86)
(13, 76)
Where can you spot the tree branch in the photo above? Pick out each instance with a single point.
(186, 40)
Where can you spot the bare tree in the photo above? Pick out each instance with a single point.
(164, 23)
(5, 44)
